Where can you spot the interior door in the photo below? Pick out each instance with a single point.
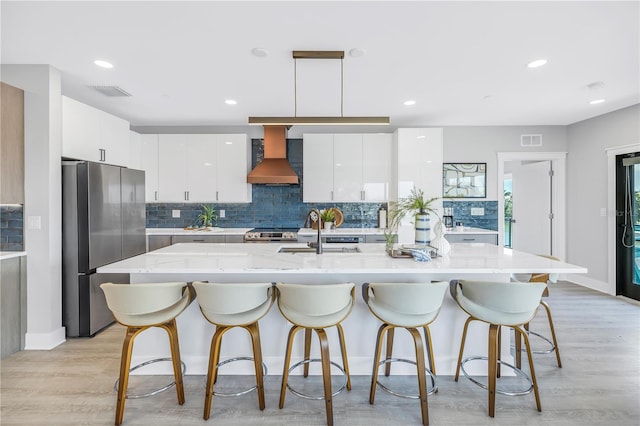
(532, 208)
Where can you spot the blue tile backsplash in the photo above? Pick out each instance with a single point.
(11, 228)
(273, 206)
(462, 213)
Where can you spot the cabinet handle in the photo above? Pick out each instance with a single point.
(216, 195)
(103, 154)
(331, 195)
(362, 195)
(468, 239)
(155, 195)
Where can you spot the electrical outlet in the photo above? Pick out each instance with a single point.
(222, 214)
(34, 222)
(477, 211)
(175, 213)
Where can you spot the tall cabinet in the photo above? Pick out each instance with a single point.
(346, 167)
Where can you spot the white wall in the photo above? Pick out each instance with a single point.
(480, 144)
(587, 189)
(43, 186)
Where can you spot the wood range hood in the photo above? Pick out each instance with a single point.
(275, 168)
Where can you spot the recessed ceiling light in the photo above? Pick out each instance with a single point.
(597, 101)
(409, 103)
(103, 64)
(357, 52)
(595, 85)
(230, 101)
(537, 63)
(259, 52)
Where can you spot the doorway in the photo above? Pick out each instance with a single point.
(549, 201)
(628, 225)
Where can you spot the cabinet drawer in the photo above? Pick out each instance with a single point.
(374, 239)
(156, 242)
(472, 238)
(197, 239)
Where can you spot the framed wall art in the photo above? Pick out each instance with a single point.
(464, 180)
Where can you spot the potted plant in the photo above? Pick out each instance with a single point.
(208, 217)
(415, 204)
(327, 216)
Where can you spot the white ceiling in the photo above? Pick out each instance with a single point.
(464, 63)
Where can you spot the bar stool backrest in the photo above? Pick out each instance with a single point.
(315, 305)
(234, 303)
(406, 304)
(510, 303)
(146, 304)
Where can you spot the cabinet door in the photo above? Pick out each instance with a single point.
(172, 163)
(376, 166)
(317, 157)
(233, 164)
(80, 130)
(149, 163)
(114, 139)
(200, 168)
(347, 167)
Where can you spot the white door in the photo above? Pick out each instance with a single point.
(172, 163)
(532, 207)
(347, 167)
(201, 168)
(232, 168)
(376, 166)
(317, 166)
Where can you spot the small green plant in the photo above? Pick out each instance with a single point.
(327, 215)
(208, 217)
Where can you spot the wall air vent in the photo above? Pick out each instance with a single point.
(530, 140)
(113, 91)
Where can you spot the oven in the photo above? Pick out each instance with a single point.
(271, 235)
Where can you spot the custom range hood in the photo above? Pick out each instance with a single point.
(275, 168)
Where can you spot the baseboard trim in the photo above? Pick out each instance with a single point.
(601, 286)
(44, 341)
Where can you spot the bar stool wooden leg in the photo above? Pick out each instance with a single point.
(493, 363)
(464, 337)
(326, 373)
(125, 364)
(343, 350)
(287, 362)
(172, 330)
(553, 332)
(387, 367)
(212, 372)
(499, 354)
(429, 346)
(254, 330)
(422, 380)
(307, 350)
(518, 349)
(534, 381)
(376, 360)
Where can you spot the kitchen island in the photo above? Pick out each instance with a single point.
(262, 263)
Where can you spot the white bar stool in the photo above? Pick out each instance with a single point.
(140, 307)
(409, 306)
(553, 342)
(227, 306)
(316, 307)
(498, 304)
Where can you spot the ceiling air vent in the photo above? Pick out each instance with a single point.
(111, 91)
(530, 140)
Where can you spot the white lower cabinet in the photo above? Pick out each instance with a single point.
(203, 168)
(346, 167)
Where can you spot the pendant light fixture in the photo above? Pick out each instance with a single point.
(319, 121)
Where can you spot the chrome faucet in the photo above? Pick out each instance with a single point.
(310, 218)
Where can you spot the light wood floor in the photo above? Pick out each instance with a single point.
(599, 384)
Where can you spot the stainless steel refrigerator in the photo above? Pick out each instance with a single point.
(103, 221)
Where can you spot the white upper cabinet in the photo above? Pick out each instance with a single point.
(203, 168)
(317, 173)
(94, 135)
(346, 167)
(149, 163)
(134, 150)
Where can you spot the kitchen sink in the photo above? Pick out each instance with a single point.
(325, 249)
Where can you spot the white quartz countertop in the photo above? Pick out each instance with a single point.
(198, 231)
(11, 254)
(248, 259)
(470, 230)
(342, 231)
